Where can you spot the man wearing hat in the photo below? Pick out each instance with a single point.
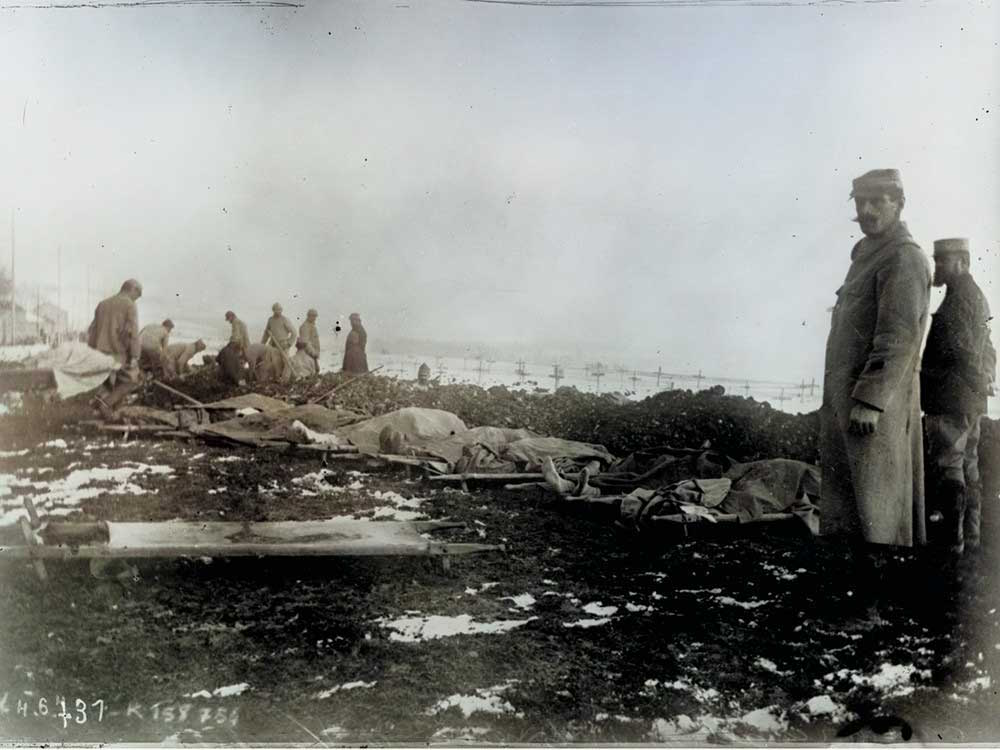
(234, 354)
(309, 334)
(871, 447)
(355, 359)
(115, 331)
(278, 331)
(957, 375)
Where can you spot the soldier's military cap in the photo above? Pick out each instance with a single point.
(877, 181)
(951, 245)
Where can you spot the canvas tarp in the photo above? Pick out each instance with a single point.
(77, 367)
(276, 424)
(715, 485)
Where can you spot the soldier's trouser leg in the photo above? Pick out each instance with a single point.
(123, 385)
(973, 488)
(948, 437)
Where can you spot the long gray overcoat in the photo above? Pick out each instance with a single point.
(873, 484)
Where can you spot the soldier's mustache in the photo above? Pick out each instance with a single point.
(865, 217)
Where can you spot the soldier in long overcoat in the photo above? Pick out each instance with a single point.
(355, 359)
(871, 444)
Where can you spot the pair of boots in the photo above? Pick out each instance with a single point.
(958, 515)
(113, 392)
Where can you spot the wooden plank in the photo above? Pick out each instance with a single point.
(330, 538)
(721, 518)
(177, 393)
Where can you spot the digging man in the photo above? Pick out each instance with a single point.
(310, 334)
(278, 332)
(956, 378)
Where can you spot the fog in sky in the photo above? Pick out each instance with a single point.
(663, 185)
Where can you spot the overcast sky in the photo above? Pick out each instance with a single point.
(663, 184)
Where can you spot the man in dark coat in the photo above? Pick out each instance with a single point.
(871, 445)
(115, 331)
(355, 359)
(957, 375)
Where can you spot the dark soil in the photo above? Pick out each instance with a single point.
(708, 628)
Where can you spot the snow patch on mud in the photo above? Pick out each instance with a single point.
(769, 721)
(222, 692)
(323, 694)
(62, 496)
(432, 627)
(485, 700)
(892, 680)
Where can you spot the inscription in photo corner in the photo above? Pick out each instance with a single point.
(70, 711)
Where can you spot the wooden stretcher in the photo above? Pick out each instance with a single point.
(172, 539)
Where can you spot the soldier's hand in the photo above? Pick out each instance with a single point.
(864, 420)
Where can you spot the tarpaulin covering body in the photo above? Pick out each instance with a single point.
(77, 367)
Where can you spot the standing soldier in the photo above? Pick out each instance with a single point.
(233, 355)
(871, 446)
(309, 334)
(355, 359)
(115, 331)
(278, 331)
(957, 375)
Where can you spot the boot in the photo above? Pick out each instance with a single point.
(973, 515)
(951, 501)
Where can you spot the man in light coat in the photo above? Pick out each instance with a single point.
(871, 446)
(304, 360)
(154, 340)
(278, 332)
(178, 356)
(115, 331)
(310, 334)
(956, 378)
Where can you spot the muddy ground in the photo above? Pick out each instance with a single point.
(575, 632)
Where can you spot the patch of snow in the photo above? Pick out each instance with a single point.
(196, 456)
(397, 515)
(767, 720)
(227, 459)
(432, 627)
(629, 606)
(484, 700)
(746, 605)
(346, 686)
(222, 692)
(337, 733)
(893, 680)
(824, 705)
(13, 454)
(57, 443)
(588, 623)
(770, 666)
(521, 601)
(63, 496)
(595, 608)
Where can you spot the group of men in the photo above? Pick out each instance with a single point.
(273, 359)
(876, 384)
